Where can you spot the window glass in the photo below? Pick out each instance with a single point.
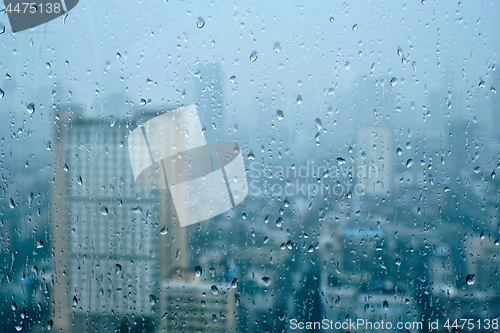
(289, 166)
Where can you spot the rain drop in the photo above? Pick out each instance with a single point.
(31, 108)
(393, 81)
(164, 231)
(409, 163)
(234, 283)
(332, 19)
(266, 280)
(340, 160)
(197, 271)
(279, 115)
(355, 27)
(214, 289)
(104, 210)
(2, 93)
(118, 268)
(200, 23)
(471, 279)
(277, 47)
(399, 151)
(253, 56)
(318, 123)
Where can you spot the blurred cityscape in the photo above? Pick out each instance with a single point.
(374, 223)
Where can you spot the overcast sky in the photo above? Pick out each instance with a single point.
(113, 48)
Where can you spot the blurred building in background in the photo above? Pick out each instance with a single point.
(104, 228)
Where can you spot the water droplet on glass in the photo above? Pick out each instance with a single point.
(332, 19)
(280, 115)
(385, 304)
(80, 181)
(75, 301)
(355, 27)
(393, 81)
(277, 47)
(266, 280)
(340, 160)
(299, 99)
(14, 306)
(164, 231)
(289, 245)
(279, 222)
(12, 204)
(104, 210)
(253, 56)
(471, 279)
(143, 102)
(409, 163)
(31, 108)
(136, 210)
(310, 249)
(214, 289)
(118, 268)
(318, 123)
(39, 244)
(234, 283)
(50, 323)
(19, 326)
(347, 64)
(198, 271)
(200, 23)
(477, 169)
(399, 151)
(2, 93)
(251, 156)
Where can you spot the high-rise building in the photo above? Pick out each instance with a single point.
(104, 227)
